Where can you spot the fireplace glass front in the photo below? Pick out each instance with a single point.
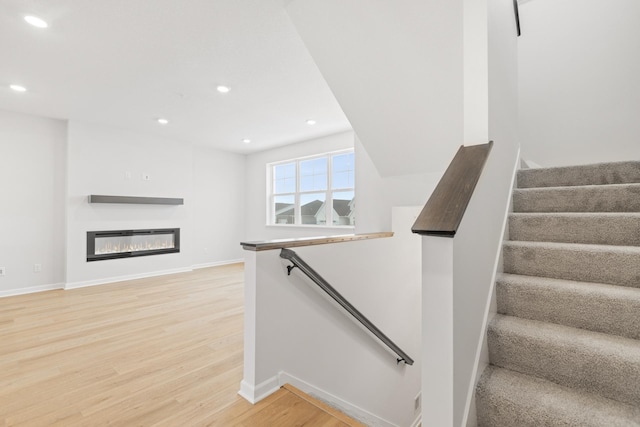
(102, 245)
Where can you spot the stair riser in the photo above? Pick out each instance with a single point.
(600, 174)
(604, 229)
(611, 267)
(623, 198)
(614, 312)
(610, 371)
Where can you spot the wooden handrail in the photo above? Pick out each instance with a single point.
(267, 245)
(442, 214)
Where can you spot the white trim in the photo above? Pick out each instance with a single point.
(298, 193)
(31, 290)
(417, 422)
(106, 280)
(217, 263)
(485, 321)
(340, 404)
(313, 156)
(76, 285)
(529, 164)
(254, 394)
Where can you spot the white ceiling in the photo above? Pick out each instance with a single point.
(126, 63)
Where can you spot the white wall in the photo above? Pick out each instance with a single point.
(579, 81)
(99, 158)
(256, 188)
(395, 67)
(462, 292)
(298, 332)
(218, 206)
(376, 196)
(478, 243)
(32, 185)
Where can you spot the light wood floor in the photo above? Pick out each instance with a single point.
(164, 351)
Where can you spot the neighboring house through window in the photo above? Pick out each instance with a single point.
(318, 190)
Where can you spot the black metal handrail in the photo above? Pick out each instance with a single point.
(290, 255)
(516, 10)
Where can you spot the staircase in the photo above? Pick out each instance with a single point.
(564, 347)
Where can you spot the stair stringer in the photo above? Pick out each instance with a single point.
(482, 351)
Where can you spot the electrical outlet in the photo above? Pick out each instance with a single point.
(127, 175)
(37, 268)
(2, 271)
(417, 402)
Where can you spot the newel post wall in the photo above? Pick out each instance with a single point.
(459, 272)
(437, 321)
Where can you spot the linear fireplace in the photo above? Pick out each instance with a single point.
(102, 245)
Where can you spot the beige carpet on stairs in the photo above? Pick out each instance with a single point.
(565, 346)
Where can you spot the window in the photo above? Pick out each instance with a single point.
(317, 190)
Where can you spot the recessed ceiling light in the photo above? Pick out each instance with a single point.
(311, 122)
(18, 88)
(163, 121)
(223, 89)
(35, 21)
(246, 141)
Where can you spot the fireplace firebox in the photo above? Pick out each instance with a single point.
(103, 245)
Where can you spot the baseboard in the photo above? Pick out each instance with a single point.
(106, 280)
(254, 394)
(31, 290)
(347, 408)
(217, 263)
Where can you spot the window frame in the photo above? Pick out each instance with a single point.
(297, 195)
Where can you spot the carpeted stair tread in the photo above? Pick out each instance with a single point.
(589, 198)
(564, 347)
(590, 361)
(593, 306)
(595, 174)
(611, 228)
(615, 265)
(508, 399)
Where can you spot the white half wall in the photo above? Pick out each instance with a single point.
(299, 331)
(579, 90)
(32, 214)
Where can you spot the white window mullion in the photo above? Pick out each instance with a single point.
(298, 209)
(329, 196)
(307, 196)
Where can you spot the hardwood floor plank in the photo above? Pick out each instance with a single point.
(160, 351)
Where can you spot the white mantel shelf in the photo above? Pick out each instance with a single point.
(136, 200)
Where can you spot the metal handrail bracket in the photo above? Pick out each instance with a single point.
(298, 262)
